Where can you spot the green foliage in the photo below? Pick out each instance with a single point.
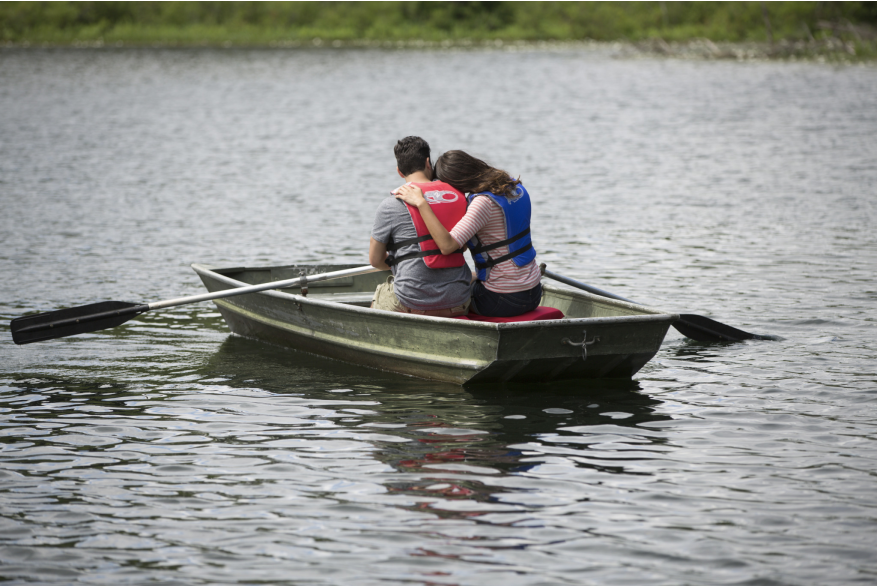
(259, 23)
(866, 12)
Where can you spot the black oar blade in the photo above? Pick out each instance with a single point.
(705, 329)
(700, 328)
(70, 321)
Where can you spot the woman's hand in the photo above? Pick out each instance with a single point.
(410, 194)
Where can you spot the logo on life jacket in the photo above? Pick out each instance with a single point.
(440, 197)
(447, 215)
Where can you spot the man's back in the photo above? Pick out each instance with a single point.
(416, 285)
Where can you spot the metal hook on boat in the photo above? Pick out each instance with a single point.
(585, 343)
(303, 282)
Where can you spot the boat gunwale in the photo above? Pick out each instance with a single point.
(652, 315)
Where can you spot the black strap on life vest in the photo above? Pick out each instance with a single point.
(508, 241)
(391, 260)
(394, 246)
(491, 262)
(415, 255)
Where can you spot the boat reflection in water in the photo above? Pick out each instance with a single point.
(454, 451)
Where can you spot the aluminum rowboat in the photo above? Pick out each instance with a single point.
(599, 337)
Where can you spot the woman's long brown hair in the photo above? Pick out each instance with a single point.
(469, 174)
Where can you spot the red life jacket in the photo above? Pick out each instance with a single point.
(449, 206)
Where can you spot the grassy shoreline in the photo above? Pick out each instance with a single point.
(722, 30)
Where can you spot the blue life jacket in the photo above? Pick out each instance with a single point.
(517, 224)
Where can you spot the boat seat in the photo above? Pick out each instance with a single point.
(362, 299)
(540, 313)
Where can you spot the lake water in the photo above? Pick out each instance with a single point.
(169, 451)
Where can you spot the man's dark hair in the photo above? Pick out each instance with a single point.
(411, 154)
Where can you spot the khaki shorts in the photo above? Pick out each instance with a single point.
(385, 299)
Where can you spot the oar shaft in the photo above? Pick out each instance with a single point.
(691, 325)
(102, 315)
(584, 286)
(237, 291)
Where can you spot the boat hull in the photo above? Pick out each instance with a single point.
(334, 321)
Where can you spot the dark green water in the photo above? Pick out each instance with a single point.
(168, 451)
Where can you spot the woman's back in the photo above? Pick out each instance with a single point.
(485, 219)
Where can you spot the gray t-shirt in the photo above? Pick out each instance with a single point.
(416, 285)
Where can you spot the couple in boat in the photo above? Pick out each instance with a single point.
(421, 232)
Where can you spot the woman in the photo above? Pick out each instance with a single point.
(497, 229)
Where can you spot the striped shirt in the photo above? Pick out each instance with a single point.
(484, 217)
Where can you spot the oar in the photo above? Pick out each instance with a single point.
(93, 317)
(699, 328)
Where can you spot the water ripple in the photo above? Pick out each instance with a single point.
(167, 451)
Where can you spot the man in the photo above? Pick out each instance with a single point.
(424, 281)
